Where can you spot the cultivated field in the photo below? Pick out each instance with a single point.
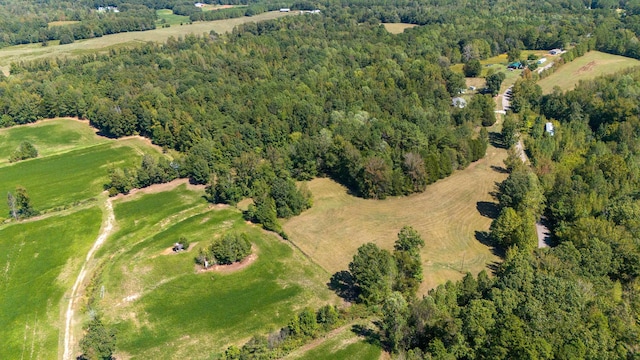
(163, 308)
(90, 46)
(589, 66)
(447, 215)
(166, 16)
(398, 28)
(75, 171)
(49, 136)
(39, 262)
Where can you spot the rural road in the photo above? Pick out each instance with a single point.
(506, 98)
(548, 66)
(69, 315)
(543, 234)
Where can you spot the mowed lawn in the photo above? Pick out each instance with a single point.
(49, 137)
(446, 214)
(60, 180)
(163, 309)
(398, 28)
(166, 16)
(37, 51)
(39, 262)
(589, 66)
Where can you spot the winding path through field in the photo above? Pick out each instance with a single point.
(105, 231)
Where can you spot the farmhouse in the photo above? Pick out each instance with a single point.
(548, 127)
(458, 102)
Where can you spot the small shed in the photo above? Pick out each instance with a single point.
(459, 102)
(548, 127)
(285, 10)
(555, 51)
(542, 61)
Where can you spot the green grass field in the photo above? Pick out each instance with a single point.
(341, 345)
(162, 308)
(50, 137)
(398, 28)
(38, 265)
(37, 51)
(589, 66)
(64, 178)
(166, 16)
(446, 215)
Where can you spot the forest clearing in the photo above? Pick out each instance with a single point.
(587, 67)
(398, 28)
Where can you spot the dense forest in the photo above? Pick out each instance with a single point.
(337, 95)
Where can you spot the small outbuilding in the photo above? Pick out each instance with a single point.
(515, 65)
(542, 61)
(285, 10)
(548, 127)
(458, 102)
(555, 51)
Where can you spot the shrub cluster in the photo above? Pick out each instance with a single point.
(26, 150)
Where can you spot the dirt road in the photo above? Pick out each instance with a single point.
(106, 230)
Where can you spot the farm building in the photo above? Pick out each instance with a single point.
(285, 10)
(542, 61)
(458, 102)
(555, 51)
(548, 127)
(515, 65)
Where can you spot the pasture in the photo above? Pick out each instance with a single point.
(38, 265)
(449, 215)
(50, 137)
(166, 16)
(587, 67)
(63, 179)
(398, 28)
(163, 308)
(37, 51)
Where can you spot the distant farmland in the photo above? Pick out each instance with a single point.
(589, 66)
(37, 51)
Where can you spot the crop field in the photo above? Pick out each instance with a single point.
(37, 51)
(164, 308)
(447, 215)
(63, 179)
(38, 264)
(398, 28)
(587, 67)
(166, 16)
(50, 137)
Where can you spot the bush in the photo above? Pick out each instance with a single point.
(231, 248)
(26, 150)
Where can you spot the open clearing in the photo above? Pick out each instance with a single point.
(214, 7)
(447, 215)
(341, 344)
(166, 16)
(38, 265)
(163, 308)
(589, 66)
(398, 28)
(50, 137)
(75, 172)
(62, 23)
(37, 51)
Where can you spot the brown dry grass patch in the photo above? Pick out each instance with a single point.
(446, 215)
(398, 28)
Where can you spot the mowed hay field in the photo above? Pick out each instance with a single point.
(66, 177)
(398, 28)
(39, 262)
(37, 51)
(49, 136)
(163, 308)
(446, 215)
(589, 66)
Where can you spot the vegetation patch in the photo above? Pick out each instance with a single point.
(39, 263)
(345, 345)
(587, 67)
(167, 17)
(148, 297)
(398, 28)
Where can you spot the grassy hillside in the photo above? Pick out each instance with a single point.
(38, 264)
(163, 308)
(63, 179)
(49, 137)
(447, 215)
(36, 51)
(589, 66)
